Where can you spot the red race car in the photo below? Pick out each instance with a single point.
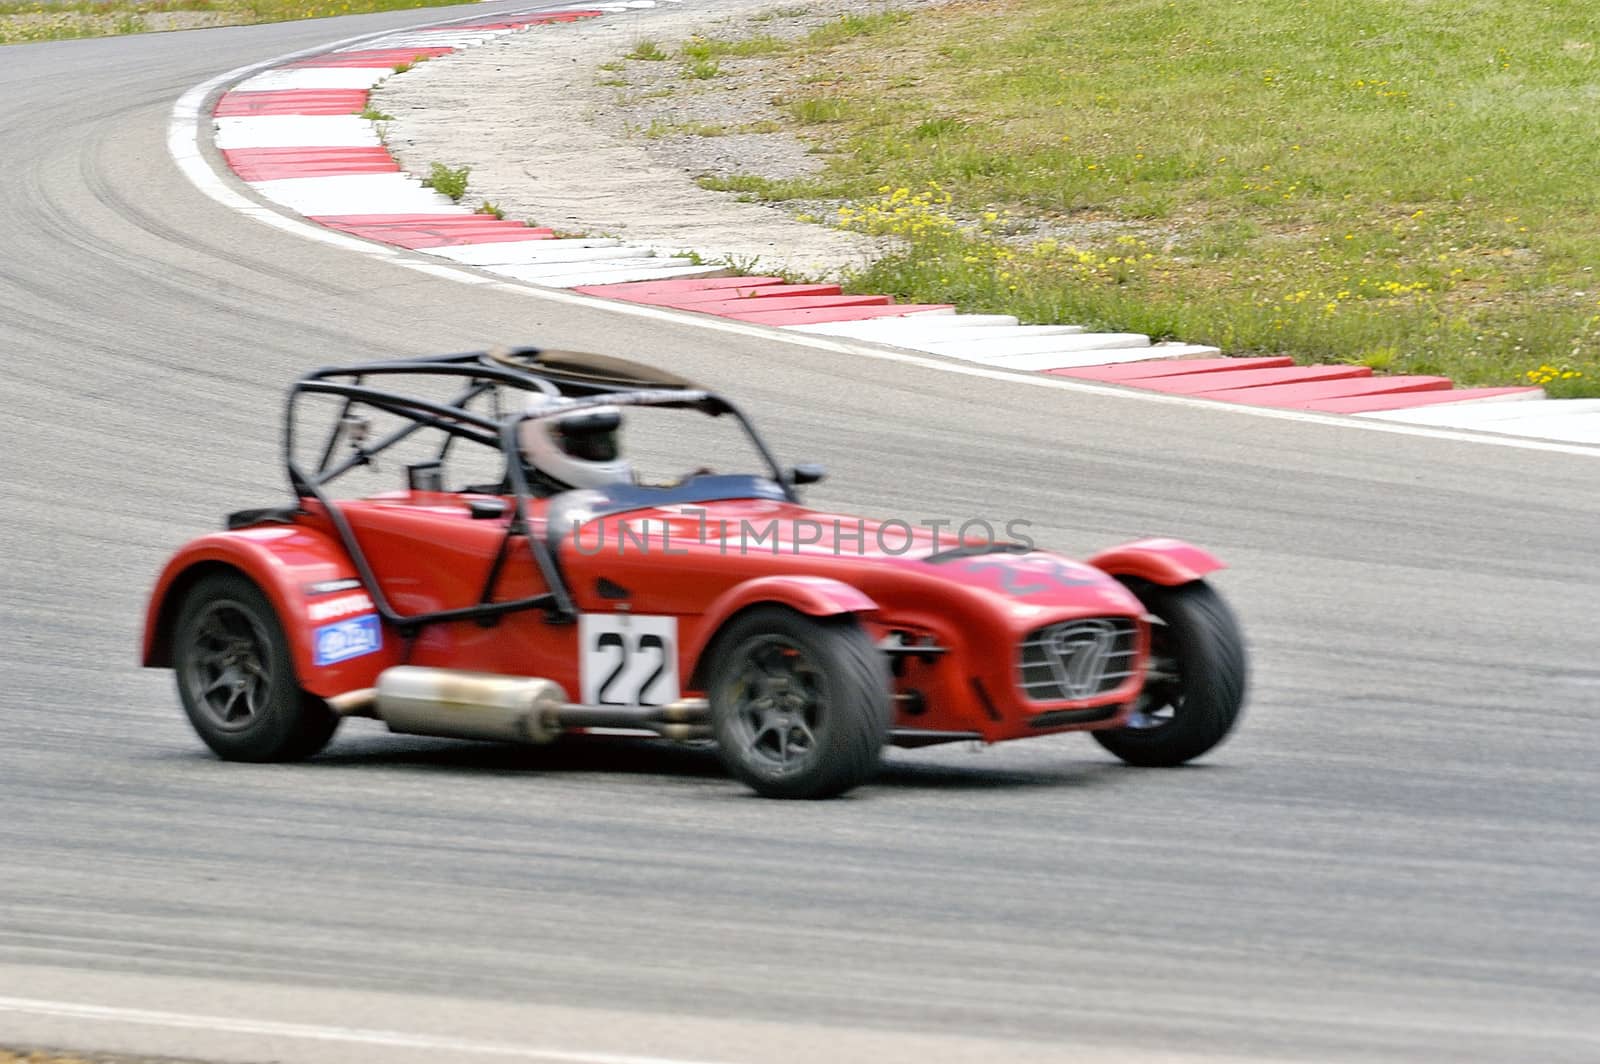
(566, 590)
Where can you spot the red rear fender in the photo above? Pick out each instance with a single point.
(1169, 562)
(287, 562)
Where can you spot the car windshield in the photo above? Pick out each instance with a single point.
(667, 448)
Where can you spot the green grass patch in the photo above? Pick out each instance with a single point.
(753, 188)
(372, 114)
(647, 50)
(1407, 187)
(447, 181)
(661, 127)
(850, 27)
(24, 21)
(816, 110)
(702, 69)
(713, 48)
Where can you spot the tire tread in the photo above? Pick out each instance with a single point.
(301, 724)
(858, 679)
(1214, 697)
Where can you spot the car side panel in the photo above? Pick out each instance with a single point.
(430, 554)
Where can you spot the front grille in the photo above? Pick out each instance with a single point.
(1074, 660)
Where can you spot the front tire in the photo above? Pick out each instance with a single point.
(236, 678)
(800, 706)
(1195, 681)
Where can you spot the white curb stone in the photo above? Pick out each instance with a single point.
(431, 40)
(296, 131)
(984, 351)
(623, 276)
(514, 252)
(1103, 356)
(391, 193)
(991, 332)
(876, 328)
(314, 78)
(643, 265)
(1568, 420)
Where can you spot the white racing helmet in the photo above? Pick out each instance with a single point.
(578, 450)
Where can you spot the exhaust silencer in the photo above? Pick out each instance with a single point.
(469, 705)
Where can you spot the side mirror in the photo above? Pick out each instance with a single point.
(425, 476)
(807, 473)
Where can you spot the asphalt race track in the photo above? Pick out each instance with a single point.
(1394, 858)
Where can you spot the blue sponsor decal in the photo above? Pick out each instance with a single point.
(347, 639)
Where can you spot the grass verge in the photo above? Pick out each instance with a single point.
(24, 22)
(1407, 187)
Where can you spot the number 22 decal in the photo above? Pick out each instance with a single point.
(628, 660)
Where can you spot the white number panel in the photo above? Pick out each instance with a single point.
(628, 660)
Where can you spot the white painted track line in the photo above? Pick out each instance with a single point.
(377, 1040)
(296, 131)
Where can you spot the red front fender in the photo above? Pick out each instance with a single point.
(816, 596)
(1168, 562)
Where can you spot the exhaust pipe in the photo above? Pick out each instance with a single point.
(469, 705)
(521, 709)
(684, 712)
(357, 703)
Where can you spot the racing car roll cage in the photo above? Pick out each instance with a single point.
(586, 381)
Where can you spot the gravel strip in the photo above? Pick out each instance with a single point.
(554, 139)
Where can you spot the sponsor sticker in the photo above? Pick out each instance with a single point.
(333, 643)
(328, 587)
(339, 607)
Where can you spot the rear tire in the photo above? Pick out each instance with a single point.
(800, 706)
(1195, 684)
(236, 677)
